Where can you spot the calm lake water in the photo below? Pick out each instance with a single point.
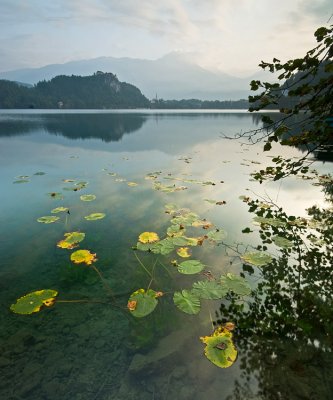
(94, 351)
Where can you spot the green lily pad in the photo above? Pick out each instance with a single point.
(236, 284)
(88, 197)
(185, 220)
(21, 181)
(49, 219)
(94, 216)
(71, 240)
(220, 349)
(217, 236)
(39, 173)
(282, 242)
(55, 195)
(190, 267)
(32, 302)
(142, 303)
(163, 247)
(258, 258)
(209, 290)
(175, 230)
(59, 209)
(269, 221)
(170, 208)
(187, 302)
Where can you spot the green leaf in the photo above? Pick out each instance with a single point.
(190, 267)
(220, 349)
(187, 302)
(209, 290)
(269, 221)
(236, 284)
(217, 236)
(282, 242)
(258, 258)
(88, 197)
(21, 181)
(94, 216)
(49, 219)
(145, 302)
(59, 209)
(32, 302)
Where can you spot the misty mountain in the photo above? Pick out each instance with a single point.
(174, 76)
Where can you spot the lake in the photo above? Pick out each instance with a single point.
(135, 163)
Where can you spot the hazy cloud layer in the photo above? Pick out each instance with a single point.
(232, 36)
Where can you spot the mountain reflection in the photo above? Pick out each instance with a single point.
(107, 127)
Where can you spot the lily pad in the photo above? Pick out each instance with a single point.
(282, 242)
(21, 181)
(59, 209)
(142, 303)
(190, 267)
(184, 252)
(187, 302)
(258, 258)
(94, 216)
(39, 173)
(236, 284)
(87, 197)
(32, 302)
(269, 221)
(163, 247)
(71, 240)
(49, 219)
(175, 231)
(209, 290)
(148, 237)
(216, 236)
(83, 256)
(132, 184)
(220, 349)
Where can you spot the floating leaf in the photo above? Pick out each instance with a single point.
(209, 290)
(269, 221)
(55, 195)
(22, 181)
(132, 184)
(148, 237)
(236, 284)
(220, 349)
(163, 247)
(282, 242)
(258, 258)
(187, 302)
(32, 302)
(190, 267)
(184, 252)
(83, 256)
(59, 209)
(187, 219)
(170, 208)
(216, 236)
(87, 197)
(71, 240)
(175, 231)
(210, 201)
(47, 219)
(94, 216)
(68, 180)
(142, 303)
(39, 173)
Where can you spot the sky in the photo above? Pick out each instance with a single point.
(229, 35)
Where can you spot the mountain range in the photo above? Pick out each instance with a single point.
(174, 76)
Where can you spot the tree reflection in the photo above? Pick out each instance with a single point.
(284, 334)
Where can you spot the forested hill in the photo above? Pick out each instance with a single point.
(101, 90)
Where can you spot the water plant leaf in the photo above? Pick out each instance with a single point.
(55, 195)
(216, 236)
(184, 252)
(148, 237)
(59, 209)
(94, 216)
(175, 231)
(209, 290)
(48, 219)
(258, 258)
(87, 197)
(22, 181)
(282, 242)
(32, 302)
(83, 256)
(142, 303)
(236, 284)
(68, 180)
(269, 221)
(187, 302)
(39, 173)
(71, 240)
(210, 201)
(163, 247)
(220, 349)
(170, 208)
(187, 219)
(190, 267)
(132, 184)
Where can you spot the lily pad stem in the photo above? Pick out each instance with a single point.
(142, 265)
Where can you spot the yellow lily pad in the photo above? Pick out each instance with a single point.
(88, 197)
(71, 240)
(220, 349)
(132, 184)
(148, 237)
(49, 219)
(94, 216)
(184, 252)
(83, 256)
(59, 209)
(33, 302)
